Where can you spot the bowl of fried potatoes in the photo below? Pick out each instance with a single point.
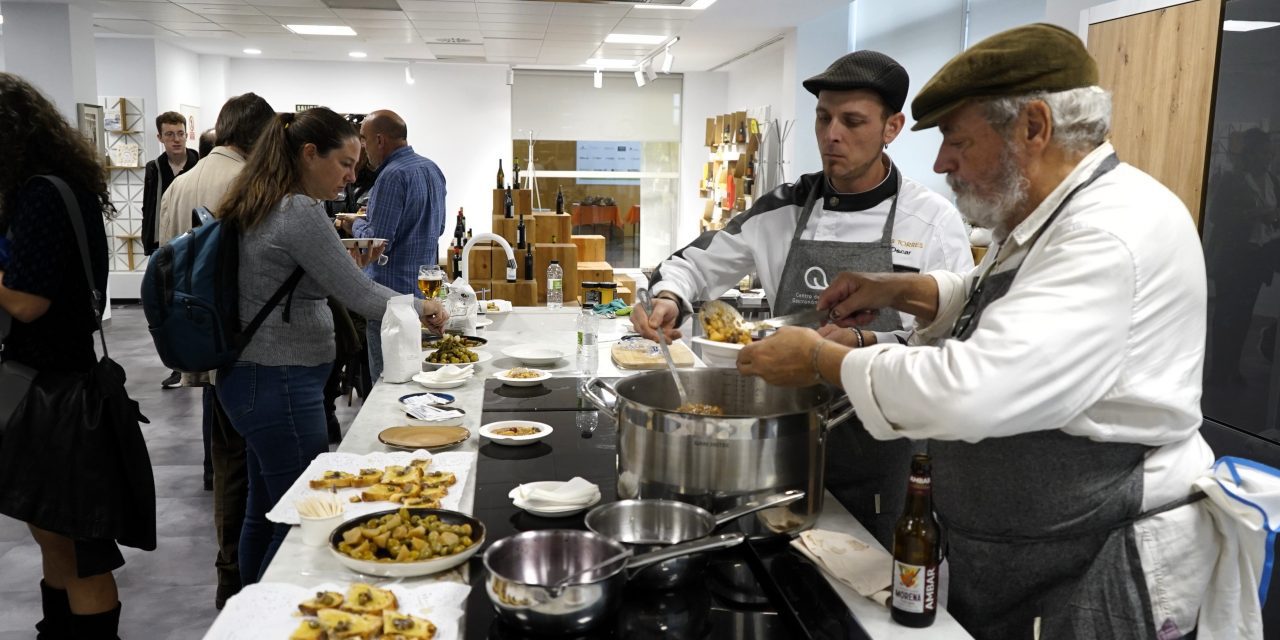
(406, 542)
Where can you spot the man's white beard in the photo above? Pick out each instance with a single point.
(1009, 193)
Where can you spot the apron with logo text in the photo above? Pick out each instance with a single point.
(1039, 525)
(868, 476)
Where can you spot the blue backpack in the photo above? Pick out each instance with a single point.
(191, 297)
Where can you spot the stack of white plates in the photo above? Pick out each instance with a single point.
(556, 499)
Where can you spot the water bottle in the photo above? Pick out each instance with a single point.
(588, 327)
(555, 285)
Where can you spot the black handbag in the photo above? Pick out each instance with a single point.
(15, 378)
(73, 460)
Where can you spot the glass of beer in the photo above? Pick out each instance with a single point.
(430, 277)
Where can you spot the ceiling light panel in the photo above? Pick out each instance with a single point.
(1247, 25)
(321, 30)
(635, 38)
(253, 52)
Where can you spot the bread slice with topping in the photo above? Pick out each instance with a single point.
(333, 480)
(366, 598)
(343, 625)
(398, 626)
(310, 629)
(323, 600)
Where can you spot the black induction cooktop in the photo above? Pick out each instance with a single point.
(759, 590)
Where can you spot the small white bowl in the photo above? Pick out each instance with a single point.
(315, 531)
(533, 354)
(544, 430)
(523, 382)
(718, 354)
(428, 381)
(481, 357)
(363, 243)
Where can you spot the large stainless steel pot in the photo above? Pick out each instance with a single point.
(771, 439)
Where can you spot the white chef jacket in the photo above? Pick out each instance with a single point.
(1101, 335)
(928, 233)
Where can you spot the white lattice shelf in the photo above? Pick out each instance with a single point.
(127, 185)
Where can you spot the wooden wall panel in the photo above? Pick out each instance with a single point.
(1160, 67)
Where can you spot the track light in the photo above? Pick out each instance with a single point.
(408, 74)
(639, 78)
(649, 72)
(667, 61)
(598, 79)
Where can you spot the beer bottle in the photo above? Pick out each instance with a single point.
(916, 552)
(502, 179)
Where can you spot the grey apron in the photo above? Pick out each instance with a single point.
(1037, 524)
(867, 476)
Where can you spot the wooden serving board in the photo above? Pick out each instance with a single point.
(635, 359)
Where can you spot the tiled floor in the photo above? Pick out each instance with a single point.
(167, 593)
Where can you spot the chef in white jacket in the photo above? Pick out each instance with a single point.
(1058, 383)
(858, 214)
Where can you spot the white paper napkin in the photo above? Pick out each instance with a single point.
(577, 491)
(449, 373)
(864, 568)
(423, 409)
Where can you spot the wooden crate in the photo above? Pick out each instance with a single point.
(551, 226)
(625, 280)
(590, 248)
(521, 293)
(508, 228)
(592, 271)
(486, 260)
(567, 254)
(521, 199)
(627, 295)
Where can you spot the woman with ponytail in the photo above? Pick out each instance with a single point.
(274, 394)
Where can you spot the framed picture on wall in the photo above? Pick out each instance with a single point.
(192, 114)
(89, 122)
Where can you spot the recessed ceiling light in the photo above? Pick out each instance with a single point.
(1, 19)
(697, 6)
(253, 52)
(1247, 25)
(358, 54)
(633, 38)
(320, 30)
(609, 63)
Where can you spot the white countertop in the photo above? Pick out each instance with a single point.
(308, 566)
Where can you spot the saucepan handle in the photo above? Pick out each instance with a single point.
(708, 543)
(752, 506)
(841, 410)
(591, 392)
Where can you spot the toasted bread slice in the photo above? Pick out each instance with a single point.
(349, 626)
(368, 599)
(379, 493)
(399, 475)
(420, 463)
(310, 629)
(333, 480)
(440, 479)
(399, 625)
(421, 501)
(323, 600)
(367, 478)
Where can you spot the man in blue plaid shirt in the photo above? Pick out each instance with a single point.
(406, 206)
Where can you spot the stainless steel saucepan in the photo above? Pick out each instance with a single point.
(648, 525)
(526, 575)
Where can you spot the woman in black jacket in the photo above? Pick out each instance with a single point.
(43, 287)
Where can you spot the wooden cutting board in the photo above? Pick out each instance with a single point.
(626, 358)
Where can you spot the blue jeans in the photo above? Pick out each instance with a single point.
(280, 413)
(373, 340)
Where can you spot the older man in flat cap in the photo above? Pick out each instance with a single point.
(858, 214)
(1058, 383)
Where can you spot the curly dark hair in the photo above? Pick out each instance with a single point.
(37, 140)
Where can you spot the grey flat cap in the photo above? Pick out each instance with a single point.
(865, 70)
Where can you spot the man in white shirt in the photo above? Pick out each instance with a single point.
(858, 214)
(1058, 384)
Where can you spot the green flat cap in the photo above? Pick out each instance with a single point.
(1035, 57)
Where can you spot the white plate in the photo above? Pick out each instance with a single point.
(718, 354)
(533, 354)
(483, 322)
(553, 512)
(426, 380)
(481, 358)
(286, 510)
(523, 382)
(409, 569)
(270, 609)
(515, 441)
(363, 243)
(504, 306)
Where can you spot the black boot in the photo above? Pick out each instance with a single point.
(96, 626)
(56, 624)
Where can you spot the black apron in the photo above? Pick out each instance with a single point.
(867, 476)
(1038, 525)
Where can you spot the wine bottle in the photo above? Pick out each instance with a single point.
(559, 201)
(727, 135)
(742, 132)
(459, 226)
(468, 234)
(515, 180)
(528, 261)
(507, 206)
(520, 232)
(457, 262)
(502, 178)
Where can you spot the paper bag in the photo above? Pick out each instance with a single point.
(401, 340)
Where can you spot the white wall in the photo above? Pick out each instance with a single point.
(819, 42)
(755, 81)
(458, 115)
(989, 17)
(704, 95)
(178, 83)
(563, 105)
(51, 46)
(1, 53)
(213, 87)
(1066, 13)
(127, 67)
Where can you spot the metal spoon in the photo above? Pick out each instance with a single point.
(645, 300)
(558, 586)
